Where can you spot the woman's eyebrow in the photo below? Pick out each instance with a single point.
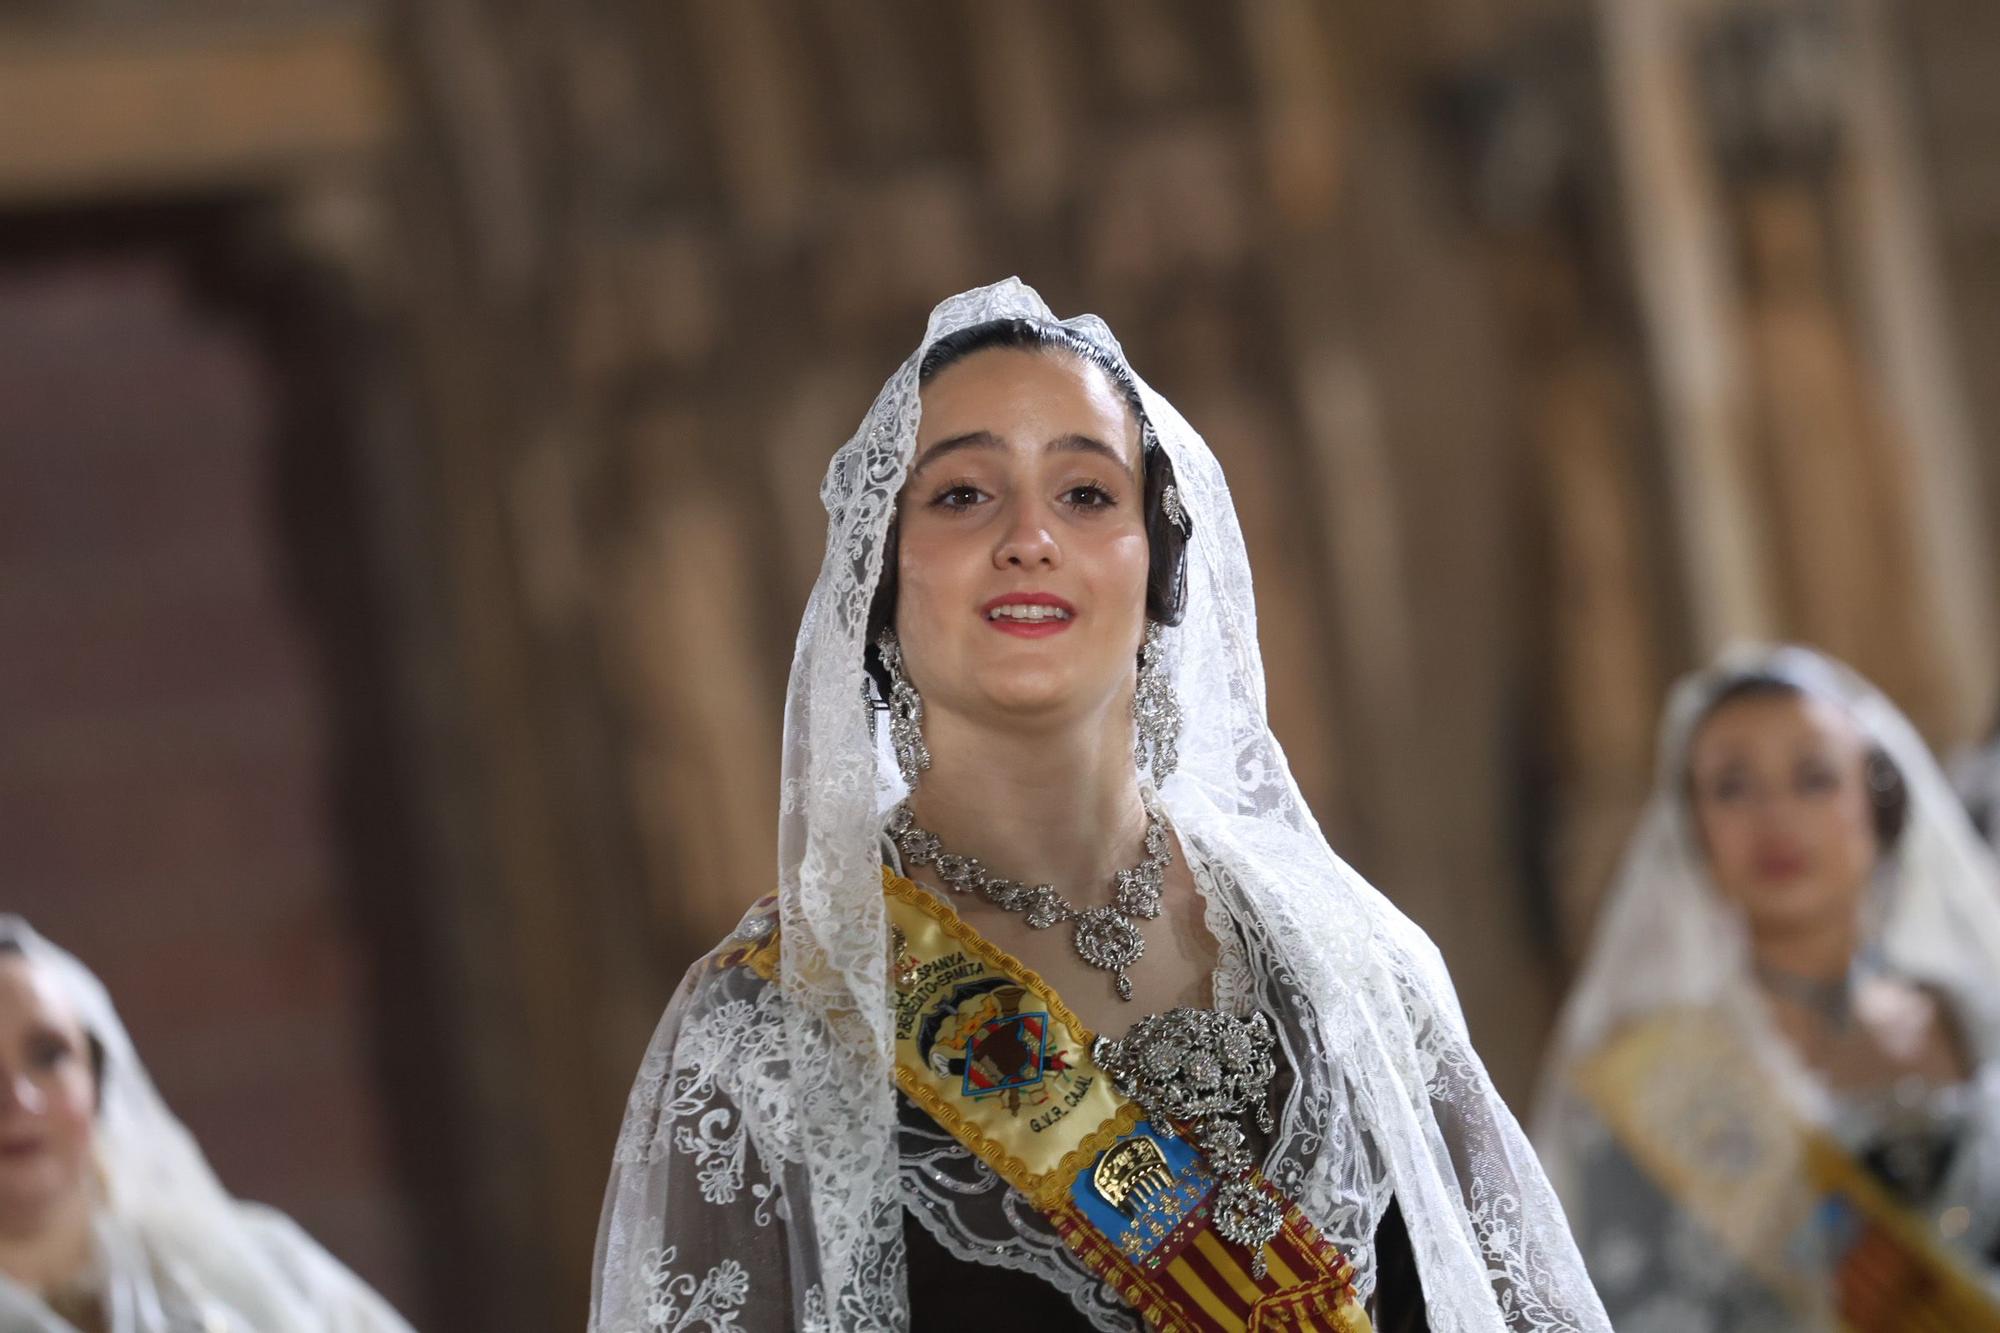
(976, 439)
(44, 1030)
(1088, 444)
(1074, 442)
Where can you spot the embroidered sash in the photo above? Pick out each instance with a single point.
(1700, 1117)
(990, 1052)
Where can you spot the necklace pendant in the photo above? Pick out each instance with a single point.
(1107, 939)
(1124, 984)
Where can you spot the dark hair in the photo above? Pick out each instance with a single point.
(11, 947)
(1888, 793)
(1166, 539)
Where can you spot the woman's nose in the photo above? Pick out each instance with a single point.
(19, 1093)
(1027, 541)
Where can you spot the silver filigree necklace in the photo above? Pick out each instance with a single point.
(1832, 1002)
(1106, 937)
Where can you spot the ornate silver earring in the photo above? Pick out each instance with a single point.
(1156, 713)
(906, 711)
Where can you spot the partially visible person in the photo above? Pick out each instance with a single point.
(1774, 1100)
(1977, 773)
(110, 1219)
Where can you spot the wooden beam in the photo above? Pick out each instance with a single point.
(1906, 310)
(130, 109)
(1680, 253)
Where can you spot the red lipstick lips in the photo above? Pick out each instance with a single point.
(1781, 865)
(1039, 625)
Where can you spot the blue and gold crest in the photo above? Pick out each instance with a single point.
(1147, 1194)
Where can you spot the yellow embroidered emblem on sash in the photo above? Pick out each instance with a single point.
(987, 1049)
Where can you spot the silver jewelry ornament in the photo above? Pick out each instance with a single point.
(906, 711)
(1105, 937)
(1205, 1069)
(1156, 713)
(1170, 504)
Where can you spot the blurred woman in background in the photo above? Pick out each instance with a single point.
(110, 1219)
(1774, 1099)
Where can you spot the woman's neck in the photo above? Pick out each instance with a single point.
(49, 1251)
(1822, 952)
(1058, 807)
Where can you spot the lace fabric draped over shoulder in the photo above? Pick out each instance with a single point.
(758, 1178)
(701, 1144)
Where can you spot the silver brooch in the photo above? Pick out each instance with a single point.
(1205, 1069)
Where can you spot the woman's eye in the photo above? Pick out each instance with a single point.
(1729, 789)
(1089, 496)
(49, 1052)
(959, 495)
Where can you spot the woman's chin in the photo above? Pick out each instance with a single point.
(1029, 696)
(31, 1189)
(1796, 909)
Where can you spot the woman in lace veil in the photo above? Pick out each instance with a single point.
(110, 1219)
(1063, 1009)
(1774, 1098)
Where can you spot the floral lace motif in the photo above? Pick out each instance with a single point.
(682, 1303)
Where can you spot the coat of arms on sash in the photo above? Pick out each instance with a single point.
(980, 1032)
